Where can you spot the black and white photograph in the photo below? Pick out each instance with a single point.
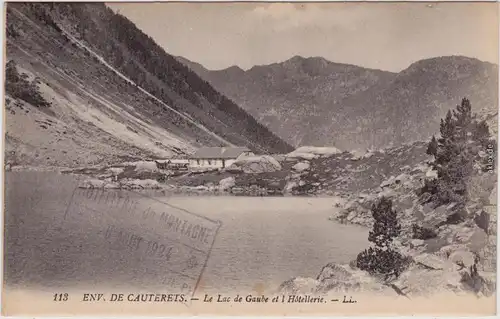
(250, 158)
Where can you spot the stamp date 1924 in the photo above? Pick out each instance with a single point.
(159, 239)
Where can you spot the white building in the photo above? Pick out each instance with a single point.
(217, 157)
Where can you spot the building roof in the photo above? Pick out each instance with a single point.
(219, 152)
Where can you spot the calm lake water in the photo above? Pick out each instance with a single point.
(262, 241)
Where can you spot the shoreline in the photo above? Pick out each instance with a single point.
(90, 181)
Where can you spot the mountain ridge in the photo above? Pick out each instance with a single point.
(313, 101)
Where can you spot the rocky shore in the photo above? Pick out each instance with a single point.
(453, 249)
(305, 172)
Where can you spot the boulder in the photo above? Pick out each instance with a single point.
(431, 174)
(426, 208)
(290, 185)
(416, 243)
(112, 185)
(257, 164)
(333, 270)
(429, 261)
(493, 196)
(200, 188)
(446, 251)
(401, 178)
(368, 154)
(317, 151)
(424, 281)
(434, 218)
(421, 168)
(388, 193)
(301, 166)
(237, 190)
(279, 157)
(145, 166)
(141, 184)
(462, 257)
(406, 168)
(92, 183)
(357, 155)
(474, 238)
(387, 182)
(299, 285)
(227, 183)
(343, 278)
(115, 170)
(365, 195)
(300, 156)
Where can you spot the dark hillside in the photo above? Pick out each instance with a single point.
(138, 57)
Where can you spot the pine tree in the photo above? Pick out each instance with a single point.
(456, 151)
(382, 258)
(386, 226)
(432, 147)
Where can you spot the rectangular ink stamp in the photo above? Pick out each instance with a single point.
(165, 247)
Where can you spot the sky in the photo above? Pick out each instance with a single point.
(387, 36)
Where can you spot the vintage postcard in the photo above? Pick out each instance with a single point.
(250, 158)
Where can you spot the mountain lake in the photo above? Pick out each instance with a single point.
(262, 241)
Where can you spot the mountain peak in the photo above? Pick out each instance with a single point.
(300, 59)
(446, 62)
(234, 69)
(296, 58)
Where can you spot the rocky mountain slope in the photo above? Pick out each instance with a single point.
(312, 101)
(112, 92)
(450, 255)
